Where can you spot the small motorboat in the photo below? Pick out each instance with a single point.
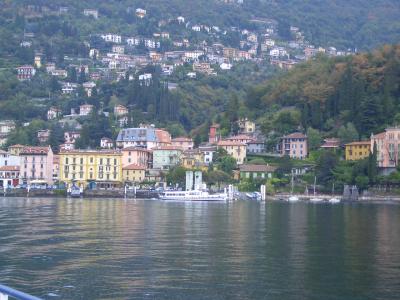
(316, 200)
(293, 199)
(334, 200)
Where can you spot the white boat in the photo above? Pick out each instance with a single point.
(193, 196)
(316, 199)
(334, 200)
(292, 198)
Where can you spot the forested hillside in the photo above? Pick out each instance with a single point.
(361, 90)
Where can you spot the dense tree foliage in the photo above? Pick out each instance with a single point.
(352, 96)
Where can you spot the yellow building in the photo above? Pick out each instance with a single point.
(193, 159)
(246, 126)
(235, 149)
(133, 173)
(91, 168)
(357, 150)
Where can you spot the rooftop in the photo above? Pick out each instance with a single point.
(133, 167)
(366, 143)
(295, 135)
(9, 168)
(257, 168)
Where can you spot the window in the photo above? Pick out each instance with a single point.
(81, 161)
(41, 166)
(101, 161)
(66, 160)
(115, 161)
(74, 160)
(91, 160)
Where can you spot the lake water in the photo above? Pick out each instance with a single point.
(116, 249)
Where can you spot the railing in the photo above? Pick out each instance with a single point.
(6, 292)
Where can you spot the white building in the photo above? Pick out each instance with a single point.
(112, 38)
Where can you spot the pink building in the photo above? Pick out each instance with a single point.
(36, 165)
(136, 155)
(183, 142)
(294, 145)
(388, 147)
(26, 72)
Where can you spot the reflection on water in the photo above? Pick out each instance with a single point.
(116, 249)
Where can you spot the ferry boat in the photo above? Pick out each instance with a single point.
(193, 196)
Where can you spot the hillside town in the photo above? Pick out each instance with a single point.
(203, 48)
(146, 154)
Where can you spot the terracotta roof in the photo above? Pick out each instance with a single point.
(257, 168)
(182, 139)
(295, 135)
(379, 135)
(331, 143)
(9, 168)
(230, 143)
(359, 143)
(35, 150)
(241, 137)
(168, 148)
(90, 151)
(133, 167)
(163, 136)
(135, 149)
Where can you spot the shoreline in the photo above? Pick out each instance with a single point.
(119, 194)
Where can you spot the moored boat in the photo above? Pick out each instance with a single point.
(193, 196)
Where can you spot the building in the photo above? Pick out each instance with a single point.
(70, 137)
(147, 137)
(241, 138)
(9, 176)
(388, 147)
(25, 72)
(193, 159)
(331, 144)
(133, 173)
(235, 149)
(140, 13)
(15, 150)
(36, 165)
(250, 171)
(6, 127)
(88, 87)
(137, 156)
(166, 157)
(53, 113)
(214, 135)
(91, 13)
(357, 150)
(246, 126)
(91, 168)
(85, 109)
(120, 110)
(294, 145)
(56, 168)
(106, 143)
(208, 153)
(256, 146)
(43, 135)
(8, 159)
(183, 142)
